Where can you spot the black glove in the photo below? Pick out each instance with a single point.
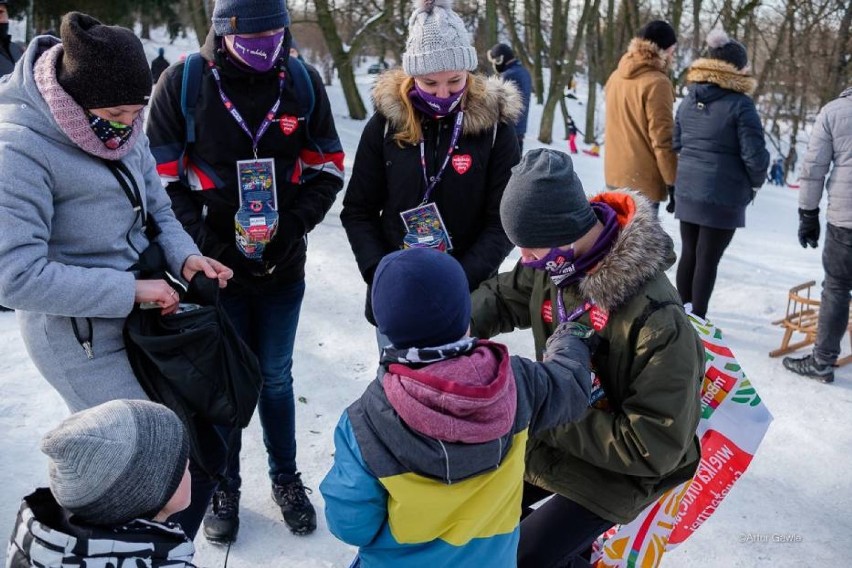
(290, 229)
(670, 207)
(586, 334)
(809, 227)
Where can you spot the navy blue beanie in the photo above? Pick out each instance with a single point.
(249, 16)
(420, 298)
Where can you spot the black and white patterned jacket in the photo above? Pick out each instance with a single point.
(48, 536)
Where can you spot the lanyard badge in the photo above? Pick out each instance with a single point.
(256, 220)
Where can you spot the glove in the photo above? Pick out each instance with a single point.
(586, 334)
(670, 207)
(809, 227)
(290, 229)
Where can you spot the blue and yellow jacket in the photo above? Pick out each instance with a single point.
(407, 498)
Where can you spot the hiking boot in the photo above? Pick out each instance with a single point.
(222, 521)
(811, 368)
(296, 509)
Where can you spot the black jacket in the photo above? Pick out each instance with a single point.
(10, 52)
(722, 152)
(207, 210)
(388, 179)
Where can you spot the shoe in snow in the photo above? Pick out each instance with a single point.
(291, 496)
(810, 368)
(222, 521)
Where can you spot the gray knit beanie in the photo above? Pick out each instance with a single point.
(437, 40)
(544, 205)
(117, 461)
(722, 47)
(249, 16)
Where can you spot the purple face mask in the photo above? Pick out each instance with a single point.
(558, 263)
(259, 53)
(432, 105)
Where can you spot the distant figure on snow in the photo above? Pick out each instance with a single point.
(571, 133)
(776, 172)
(159, 64)
(507, 65)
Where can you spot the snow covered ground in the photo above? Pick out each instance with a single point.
(797, 486)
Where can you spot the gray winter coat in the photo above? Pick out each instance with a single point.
(66, 242)
(831, 142)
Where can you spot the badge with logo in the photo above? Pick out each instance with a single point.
(256, 220)
(424, 228)
(598, 317)
(462, 163)
(547, 311)
(288, 124)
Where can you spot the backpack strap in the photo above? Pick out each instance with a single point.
(303, 86)
(189, 92)
(640, 321)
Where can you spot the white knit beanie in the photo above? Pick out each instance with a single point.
(437, 40)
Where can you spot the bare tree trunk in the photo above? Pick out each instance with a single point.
(518, 45)
(537, 42)
(696, 28)
(490, 23)
(200, 23)
(839, 73)
(772, 59)
(593, 56)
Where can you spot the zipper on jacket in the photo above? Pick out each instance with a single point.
(85, 342)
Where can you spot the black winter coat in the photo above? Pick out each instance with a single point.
(722, 152)
(207, 209)
(388, 179)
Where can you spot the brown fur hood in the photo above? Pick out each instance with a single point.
(642, 56)
(641, 251)
(500, 102)
(721, 73)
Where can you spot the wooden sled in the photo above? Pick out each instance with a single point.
(802, 318)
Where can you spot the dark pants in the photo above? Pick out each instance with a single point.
(701, 250)
(268, 325)
(834, 302)
(203, 486)
(559, 534)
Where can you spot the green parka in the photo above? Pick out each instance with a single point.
(640, 441)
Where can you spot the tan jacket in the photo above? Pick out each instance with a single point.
(640, 122)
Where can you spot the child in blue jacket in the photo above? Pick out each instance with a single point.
(429, 462)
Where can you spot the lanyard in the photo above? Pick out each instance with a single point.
(232, 109)
(578, 311)
(457, 127)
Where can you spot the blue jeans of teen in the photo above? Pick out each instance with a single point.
(834, 302)
(267, 323)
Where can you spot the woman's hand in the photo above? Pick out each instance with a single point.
(211, 268)
(157, 292)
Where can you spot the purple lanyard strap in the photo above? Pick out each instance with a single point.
(232, 109)
(578, 311)
(430, 185)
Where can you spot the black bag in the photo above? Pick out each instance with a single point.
(195, 363)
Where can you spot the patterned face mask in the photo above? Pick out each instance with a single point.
(112, 134)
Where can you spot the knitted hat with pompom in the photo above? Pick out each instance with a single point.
(720, 46)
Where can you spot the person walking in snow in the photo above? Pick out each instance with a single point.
(118, 471)
(79, 188)
(434, 158)
(159, 65)
(509, 67)
(428, 462)
(600, 263)
(10, 52)
(722, 160)
(830, 143)
(639, 115)
(776, 172)
(571, 133)
(266, 153)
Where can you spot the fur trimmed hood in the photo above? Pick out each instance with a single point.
(723, 74)
(642, 55)
(641, 251)
(501, 102)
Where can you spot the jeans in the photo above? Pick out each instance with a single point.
(559, 534)
(701, 250)
(834, 302)
(268, 325)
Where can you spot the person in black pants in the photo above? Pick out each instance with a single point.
(722, 162)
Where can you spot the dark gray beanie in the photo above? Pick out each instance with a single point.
(544, 205)
(720, 46)
(249, 16)
(117, 461)
(102, 66)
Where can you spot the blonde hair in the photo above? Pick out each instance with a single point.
(410, 132)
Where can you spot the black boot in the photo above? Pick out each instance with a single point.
(296, 508)
(222, 521)
(810, 368)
